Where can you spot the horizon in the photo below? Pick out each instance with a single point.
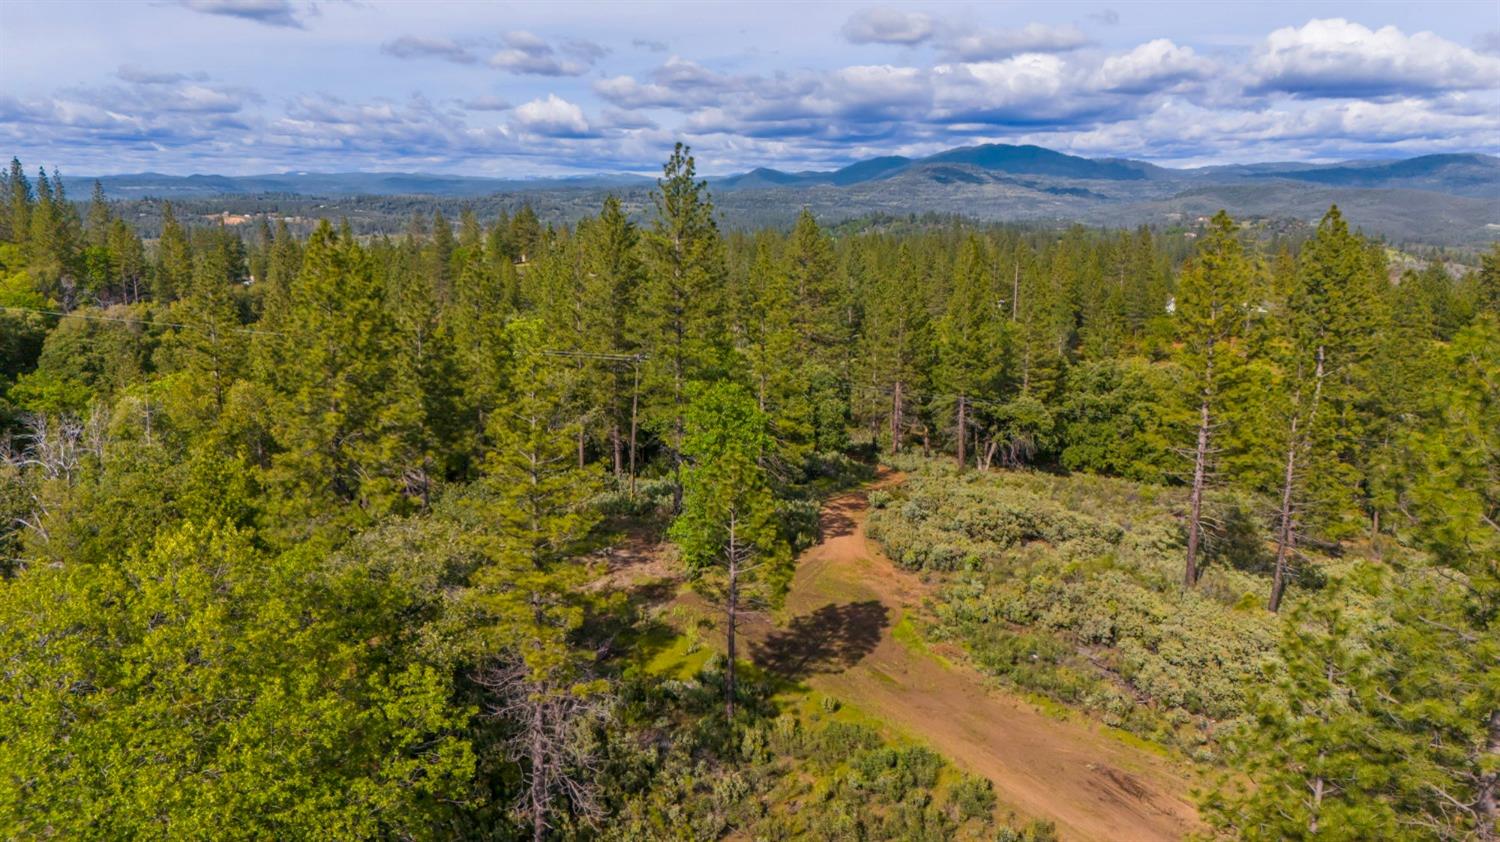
(451, 89)
(716, 175)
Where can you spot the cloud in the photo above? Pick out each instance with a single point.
(885, 25)
(677, 83)
(525, 53)
(416, 46)
(1340, 59)
(1152, 66)
(649, 45)
(1108, 17)
(268, 12)
(137, 75)
(990, 44)
(616, 118)
(552, 117)
(584, 50)
(486, 102)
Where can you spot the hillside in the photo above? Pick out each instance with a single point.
(1449, 200)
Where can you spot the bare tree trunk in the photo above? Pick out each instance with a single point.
(617, 449)
(1195, 507)
(1015, 293)
(896, 419)
(1317, 805)
(1485, 808)
(1284, 533)
(635, 397)
(580, 446)
(962, 456)
(537, 791)
(733, 612)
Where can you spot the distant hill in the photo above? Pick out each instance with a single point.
(1441, 199)
(1464, 175)
(157, 185)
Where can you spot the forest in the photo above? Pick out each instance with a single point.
(319, 536)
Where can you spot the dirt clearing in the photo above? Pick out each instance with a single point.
(847, 599)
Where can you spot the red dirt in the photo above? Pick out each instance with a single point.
(845, 600)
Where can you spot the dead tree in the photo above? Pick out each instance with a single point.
(550, 742)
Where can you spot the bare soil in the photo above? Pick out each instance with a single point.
(837, 637)
(846, 599)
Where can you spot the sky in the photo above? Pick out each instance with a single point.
(529, 89)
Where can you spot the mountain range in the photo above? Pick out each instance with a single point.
(1448, 199)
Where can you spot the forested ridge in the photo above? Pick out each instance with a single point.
(301, 536)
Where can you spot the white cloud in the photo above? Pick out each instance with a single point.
(1151, 66)
(885, 25)
(1340, 58)
(551, 117)
(526, 53)
(989, 44)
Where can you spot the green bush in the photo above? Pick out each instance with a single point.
(1070, 587)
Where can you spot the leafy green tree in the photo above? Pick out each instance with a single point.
(1117, 417)
(681, 300)
(612, 278)
(1330, 318)
(200, 689)
(728, 521)
(1213, 302)
(533, 595)
(174, 258)
(345, 416)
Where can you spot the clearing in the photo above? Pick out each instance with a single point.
(848, 636)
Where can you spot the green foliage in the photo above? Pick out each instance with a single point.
(1120, 418)
(201, 689)
(1069, 587)
(728, 514)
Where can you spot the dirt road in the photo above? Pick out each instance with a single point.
(846, 600)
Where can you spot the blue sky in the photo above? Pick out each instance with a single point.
(516, 89)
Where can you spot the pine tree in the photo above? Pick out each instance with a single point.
(1213, 296)
(776, 349)
(728, 520)
(972, 342)
(1330, 321)
(345, 416)
(20, 199)
(534, 590)
(681, 306)
(209, 343)
(612, 276)
(174, 259)
(897, 344)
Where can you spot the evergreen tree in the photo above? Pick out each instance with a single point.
(681, 306)
(897, 345)
(612, 276)
(728, 520)
(1213, 297)
(972, 342)
(534, 590)
(344, 415)
(1330, 320)
(174, 259)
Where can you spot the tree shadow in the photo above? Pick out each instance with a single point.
(830, 639)
(837, 519)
